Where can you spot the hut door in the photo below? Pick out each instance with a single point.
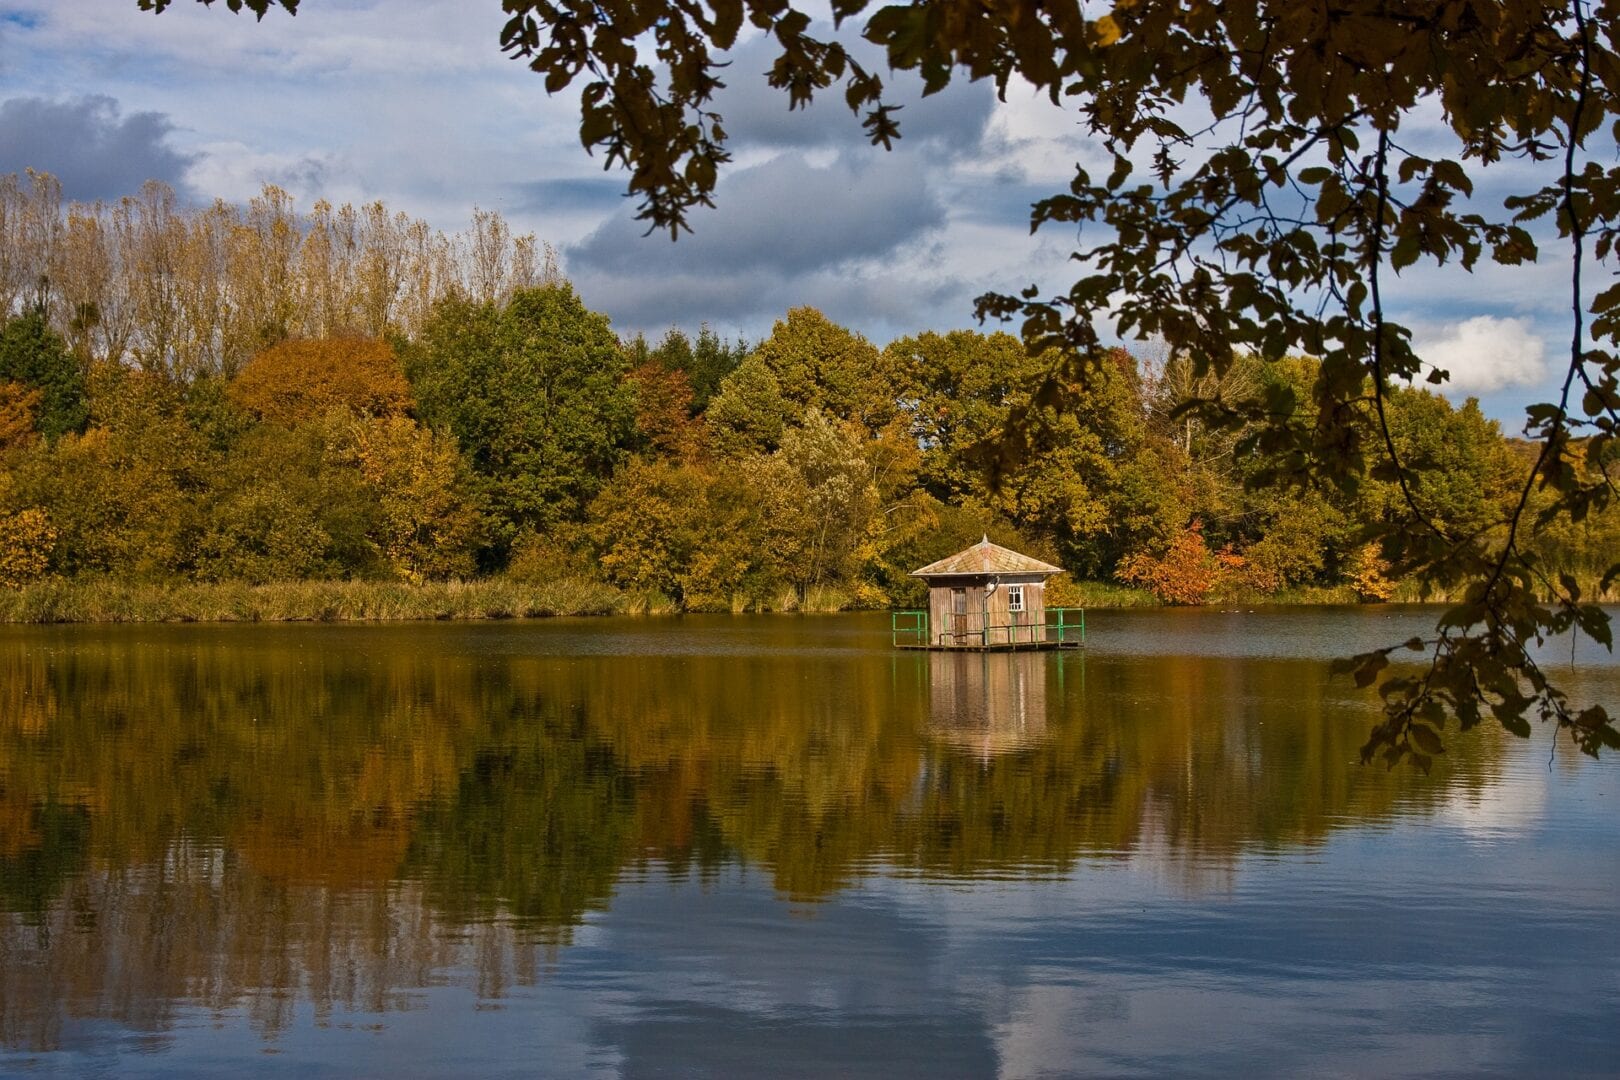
(958, 615)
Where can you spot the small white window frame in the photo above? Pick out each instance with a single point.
(1015, 598)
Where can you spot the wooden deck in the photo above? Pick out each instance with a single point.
(1005, 646)
(1062, 628)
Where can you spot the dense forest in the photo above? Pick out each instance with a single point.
(259, 395)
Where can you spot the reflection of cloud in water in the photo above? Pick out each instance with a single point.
(987, 703)
(1503, 808)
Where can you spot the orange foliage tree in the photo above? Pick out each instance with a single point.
(297, 381)
(663, 410)
(1187, 573)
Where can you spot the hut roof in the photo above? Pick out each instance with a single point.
(986, 558)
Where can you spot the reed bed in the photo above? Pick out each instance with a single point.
(86, 601)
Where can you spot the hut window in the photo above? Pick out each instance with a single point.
(1015, 598)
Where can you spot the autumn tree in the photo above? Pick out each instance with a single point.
(649, 524)
(302, 380)
(19, 407)
(26, 539)
(1185, 573)
(122, 496)
(664, 424)
(428, 525)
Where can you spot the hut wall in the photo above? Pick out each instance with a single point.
(992, 610)
(942, 620)
(1016, 626)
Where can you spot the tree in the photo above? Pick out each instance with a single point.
(1186, 573)
(749, 413)
(428, 527)
(298, 381)
(664, 421)
(958, 390)
(534, 393)
(1274, 221)
(26, 537)
(821, 365)
(33, 355)
(19, 405)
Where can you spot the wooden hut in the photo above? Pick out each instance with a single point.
(990, 597)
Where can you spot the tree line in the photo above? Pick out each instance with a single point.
(258, 394)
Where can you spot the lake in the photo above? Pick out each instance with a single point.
(734, 845)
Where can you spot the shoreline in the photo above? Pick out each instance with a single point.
(99, 601)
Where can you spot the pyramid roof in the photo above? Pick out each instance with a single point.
(986, 558)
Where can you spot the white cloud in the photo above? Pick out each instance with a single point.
(1487, 353)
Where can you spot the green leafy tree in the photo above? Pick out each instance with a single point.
(260, 533)
(32, 355)
(818, 498)
(284, 503)
(959, 390)
(535, 395)
(712, 360)
(821, 365)
(750, 412)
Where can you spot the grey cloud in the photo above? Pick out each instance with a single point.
(569, 194)
(1002, 200)
(879, 303)
(951, 122)
(784, 215)
(88, 144)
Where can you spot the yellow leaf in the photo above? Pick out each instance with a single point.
(1107, 30)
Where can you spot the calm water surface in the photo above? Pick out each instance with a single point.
(745, 845)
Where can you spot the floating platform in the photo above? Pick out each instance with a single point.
(1058, 628)
(1002, 646)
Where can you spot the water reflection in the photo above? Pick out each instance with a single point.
(266, 819)
(990, 703)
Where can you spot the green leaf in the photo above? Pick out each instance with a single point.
(1426, 739)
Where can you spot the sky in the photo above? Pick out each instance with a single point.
(412, 102)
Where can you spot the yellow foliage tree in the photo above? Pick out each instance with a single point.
(26, 538)
(429, 526)
(1368, 575)
(19, 406)
(298, 381)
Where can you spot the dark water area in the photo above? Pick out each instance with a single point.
(773, 845)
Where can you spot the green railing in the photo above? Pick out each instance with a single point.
(1069, 627)
(908, 628)
(1063, 626)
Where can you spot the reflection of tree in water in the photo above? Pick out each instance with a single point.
(263, 817)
